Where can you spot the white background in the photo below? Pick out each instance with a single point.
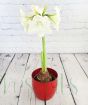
(72, 37)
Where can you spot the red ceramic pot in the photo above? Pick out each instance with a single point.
(44, 90)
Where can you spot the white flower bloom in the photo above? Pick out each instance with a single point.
(39, 25)
(57, 9)
(40, 22)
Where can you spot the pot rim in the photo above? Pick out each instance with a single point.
(45, 82)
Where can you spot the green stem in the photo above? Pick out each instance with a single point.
(43, 55)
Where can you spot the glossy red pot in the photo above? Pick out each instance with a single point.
(44, 90)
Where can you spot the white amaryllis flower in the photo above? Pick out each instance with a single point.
(40, 22)
(39, 25)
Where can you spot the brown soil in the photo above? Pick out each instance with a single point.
(44, 77)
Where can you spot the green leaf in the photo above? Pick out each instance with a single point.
(36, 12)
(31, 17)
(44, 10)
(52, 17)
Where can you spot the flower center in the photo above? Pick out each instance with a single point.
(39, 23)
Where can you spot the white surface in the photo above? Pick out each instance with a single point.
(16, 85)
(13, 81)
(72, 37)
(76, 78)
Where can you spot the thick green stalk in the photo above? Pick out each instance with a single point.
(43, 55)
